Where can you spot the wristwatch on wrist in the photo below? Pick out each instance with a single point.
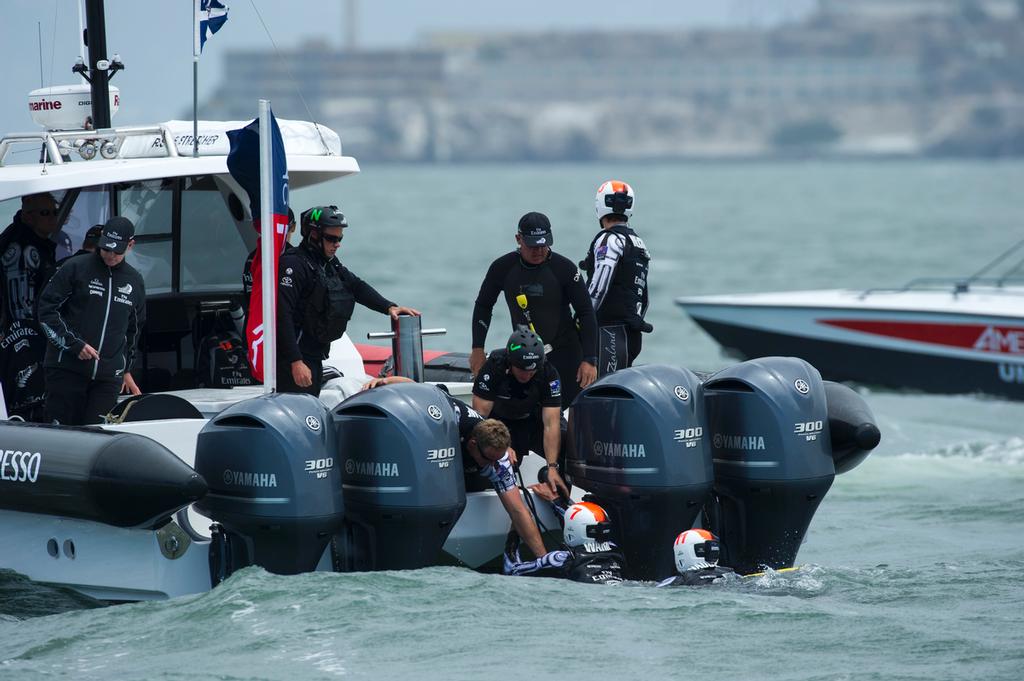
(553, 465)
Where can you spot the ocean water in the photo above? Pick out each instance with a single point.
(911, 568)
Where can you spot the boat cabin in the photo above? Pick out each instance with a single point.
(193, 223)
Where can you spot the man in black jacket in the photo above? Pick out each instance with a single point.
(316, 296)
(28, 261)
(92, 312)
(539, 287)
(28, 257)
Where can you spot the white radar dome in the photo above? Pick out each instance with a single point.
(65, 107)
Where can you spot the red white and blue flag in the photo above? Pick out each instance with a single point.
(210, 15)
(244, 166)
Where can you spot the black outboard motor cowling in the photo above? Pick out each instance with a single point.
(769, 431)
(638, 444)
(398, 446)
(274, 479)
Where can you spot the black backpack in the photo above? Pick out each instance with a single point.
(221, 361)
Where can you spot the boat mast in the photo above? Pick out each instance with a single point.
(99, 66)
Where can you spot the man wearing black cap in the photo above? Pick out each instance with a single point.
(92, 312)
(539, 287)
(89, 242)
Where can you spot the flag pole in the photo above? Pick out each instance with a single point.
(267, 254)
(195, 79)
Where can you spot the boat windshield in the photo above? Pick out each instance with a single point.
(191, 233)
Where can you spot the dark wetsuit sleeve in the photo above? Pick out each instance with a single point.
(490, 289)
(365, 295)
(579, 298)
(290, 289)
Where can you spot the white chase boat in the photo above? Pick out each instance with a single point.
(936, 335)
(195, 483)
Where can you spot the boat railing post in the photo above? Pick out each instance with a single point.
(407, 344)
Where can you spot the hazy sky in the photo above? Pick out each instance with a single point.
(154, 37)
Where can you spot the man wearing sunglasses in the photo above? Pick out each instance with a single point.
(28, 256)
(316, 296)
(27, 261)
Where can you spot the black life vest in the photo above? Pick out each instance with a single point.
(330, 304)
(626, 300)
(595, 563)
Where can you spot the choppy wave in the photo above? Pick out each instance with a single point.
(846, 621)
(1009, 451)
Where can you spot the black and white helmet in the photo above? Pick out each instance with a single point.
(525, 350)
(319, 217)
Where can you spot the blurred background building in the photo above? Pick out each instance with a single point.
(855, 77)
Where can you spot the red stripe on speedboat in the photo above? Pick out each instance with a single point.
(374, 356)
(1008, 340)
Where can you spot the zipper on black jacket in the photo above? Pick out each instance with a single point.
(106, 316)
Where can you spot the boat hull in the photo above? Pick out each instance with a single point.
(923, 351)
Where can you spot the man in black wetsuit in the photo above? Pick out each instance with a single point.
(316, 296)
(696, 553)
(616, 266)
(516, 386)
(539, 287)
(587, 554)
(487, 458)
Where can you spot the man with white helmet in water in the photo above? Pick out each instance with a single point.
(616, 267)
(587, 554)
(696, 553)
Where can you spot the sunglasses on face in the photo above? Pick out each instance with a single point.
(331, 239)
(45, 212)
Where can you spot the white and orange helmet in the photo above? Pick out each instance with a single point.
(585, 522)
(614, 197)
(696, 549)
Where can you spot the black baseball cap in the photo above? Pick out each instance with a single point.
(535, 229)
(117, 233)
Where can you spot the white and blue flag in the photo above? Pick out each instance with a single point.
(210, 16)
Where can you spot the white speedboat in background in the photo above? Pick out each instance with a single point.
(935, 335)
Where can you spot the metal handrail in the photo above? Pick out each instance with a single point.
(50, 139)
(957, 286)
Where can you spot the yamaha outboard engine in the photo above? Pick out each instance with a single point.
(769, 429)
(398, 446)
(637, 443)
(275, 485)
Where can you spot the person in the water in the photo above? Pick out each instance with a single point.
(587, 553)
(696, 554)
